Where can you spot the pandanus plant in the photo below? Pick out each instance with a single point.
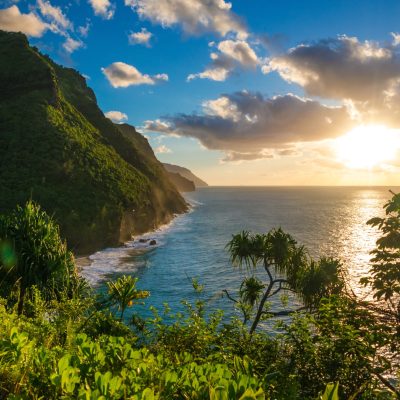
(288, 268)
(32, 253)
(124, 293)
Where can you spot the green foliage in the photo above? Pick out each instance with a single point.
(279, 254)
(57, 148)
(35, 255)
(385, 272)
(111, 368)
(331, 392)
(124, 293)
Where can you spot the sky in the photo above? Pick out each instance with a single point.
(247, 92)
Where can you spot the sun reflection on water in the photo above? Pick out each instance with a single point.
(359, 239)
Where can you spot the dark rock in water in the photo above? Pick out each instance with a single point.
(143, 240)
(153, 242)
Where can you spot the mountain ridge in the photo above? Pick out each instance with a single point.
(186, 173)
(58, 148)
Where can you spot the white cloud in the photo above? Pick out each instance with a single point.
(84, 29)
(341, 68)
(120, 74)
(247, 126)
(231, 54)
(195, 16)
(11, 19)
(142, 37)
(215, 74)
(59, 22)
(158, 125)
(116, 116)
(364, 75)
(103, 8)
(240, 51)
(222, 107)
(70, 45)
(162, 149)
(396, 38)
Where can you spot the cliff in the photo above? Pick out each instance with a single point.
(186, 173)
(181, 183)
(100, 183)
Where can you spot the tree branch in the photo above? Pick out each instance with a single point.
(284, 313)
(387, 383)
(229, 296)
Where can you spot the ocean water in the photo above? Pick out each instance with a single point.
(329, 221)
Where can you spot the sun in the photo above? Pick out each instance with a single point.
(367, 146)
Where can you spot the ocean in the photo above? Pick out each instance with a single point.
(329, 221)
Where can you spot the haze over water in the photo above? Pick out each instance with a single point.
(329, 221)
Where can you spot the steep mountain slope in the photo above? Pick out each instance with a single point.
(146, 154)
(186, 173)
(57, 148)
(181, 183)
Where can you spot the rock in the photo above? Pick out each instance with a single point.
(153, 242)
(143, 240)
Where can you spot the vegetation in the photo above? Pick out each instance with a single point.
(57, 148)
(34, 255)
(278, 252)
(68, 343)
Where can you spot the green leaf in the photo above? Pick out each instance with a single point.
(331, 392)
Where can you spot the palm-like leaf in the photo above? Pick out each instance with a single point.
(39, 258)
(279, 248)
(241, 250)
(251, 290)
(124, 293)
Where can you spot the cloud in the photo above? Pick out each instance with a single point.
(240, 51)
(235, 156)
(340, 68)
(396, 38)
(162, 149)
(116, 116)
(194, 16)
(103, 8)
(70, 45)
(273, 43)
(218, 74)
(248, 126)
(120, 74)
(231, 54)
(12, 20)
(84, 29)
(142, 37)
(59, 23)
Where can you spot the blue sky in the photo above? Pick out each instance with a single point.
(180, 45)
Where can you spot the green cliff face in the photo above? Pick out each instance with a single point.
(181, 183)
(101, 181)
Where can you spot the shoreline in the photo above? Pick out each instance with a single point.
(83, 261)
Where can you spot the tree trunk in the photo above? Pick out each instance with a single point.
(261, 307)
(21, 299)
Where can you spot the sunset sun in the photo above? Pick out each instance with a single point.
(367, 146)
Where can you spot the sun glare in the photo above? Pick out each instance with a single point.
(368, 146)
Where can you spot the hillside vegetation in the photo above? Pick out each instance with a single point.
(64, 342)
(57, 147)
(185, 173)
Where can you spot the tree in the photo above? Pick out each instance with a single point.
(124, 293)
(33, 254)
(384, 275)
(288, 268)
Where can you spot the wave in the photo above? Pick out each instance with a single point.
(126, 259)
